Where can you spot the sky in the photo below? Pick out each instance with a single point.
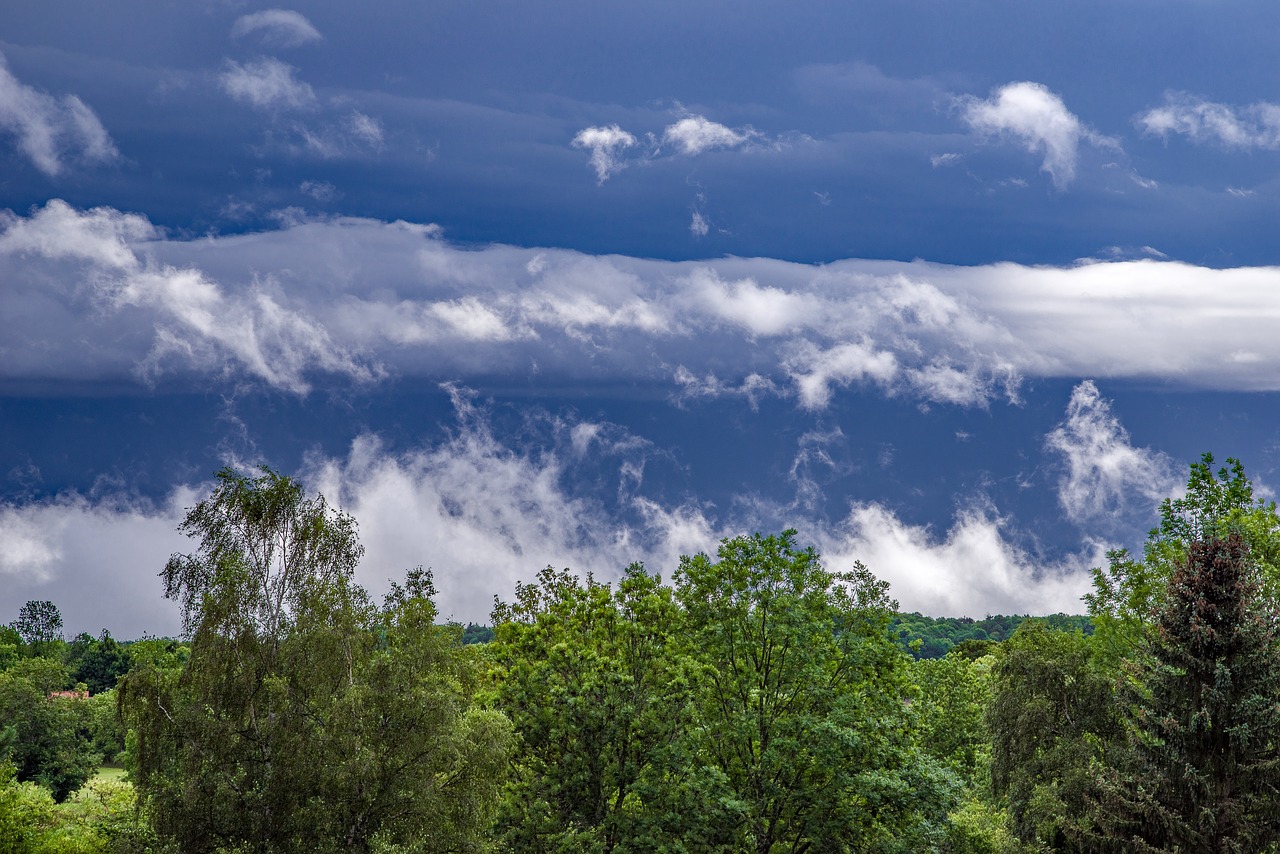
(954, 290)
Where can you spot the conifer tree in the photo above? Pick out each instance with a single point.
(1201, 767)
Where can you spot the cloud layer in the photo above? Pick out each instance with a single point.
(359, 300)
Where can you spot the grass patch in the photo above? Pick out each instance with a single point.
(111, 772)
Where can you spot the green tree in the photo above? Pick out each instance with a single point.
(97, 662)
(99, 818)
(1201, 771)
(954, 693)
(10, 647)
(1129, 590)
(39, 624)
(306, 718)
(1051, 716)
(600, 693)
(49, 739)
(804, 702)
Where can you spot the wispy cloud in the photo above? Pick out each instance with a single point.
(1201, 120)
(605, 144)
(266, 84)
(698, 225)
(276, 27)
(1105, 475)
(50, 130)
(365, 128)
(485, 512)
(1032, 115)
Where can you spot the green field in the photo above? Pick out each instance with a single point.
(111, 772)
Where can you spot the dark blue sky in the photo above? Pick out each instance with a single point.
(958, 290)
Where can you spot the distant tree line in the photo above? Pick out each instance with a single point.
(755, 701)
(935, 637)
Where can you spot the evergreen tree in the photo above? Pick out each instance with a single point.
(1201, 767)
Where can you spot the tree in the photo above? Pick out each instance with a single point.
(954, 694)
(599, 691)
(1201, 768)
(1051, 717)
(49, 741)
(97, 662)
(804, 701)
(265, 548)
(39, 624)
(306, 718)
(1129, 590)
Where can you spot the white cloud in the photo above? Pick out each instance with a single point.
(766, 311)
(365, 128)
(1200, 120)
(195, 320)
(276, 27)
(97, 558)
(698, 225)
(484, 514)
(1037, 118)
(605, 144)
(48, 130)
(321, 191)
(693, 135)
(351, 298)
(1104, 472)
(972, 570)
(266, 84)
(946, 383)
(815, 370)
(753, 387)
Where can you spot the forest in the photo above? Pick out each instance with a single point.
(754, 700)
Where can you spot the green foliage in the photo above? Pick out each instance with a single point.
(306, 719)
(803, 702)
(100, 818)
(97, 662)
(10, 647)
(475, 633)
(1201, 768)
(977, 827)
(164, 654)
(1051, 716)
(935, 637)
(104, 728)
(48, 741)
(39, 624)
(600, 693)
(1129, 590)
(954, 693)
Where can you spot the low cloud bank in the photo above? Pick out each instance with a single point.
(484, 513)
